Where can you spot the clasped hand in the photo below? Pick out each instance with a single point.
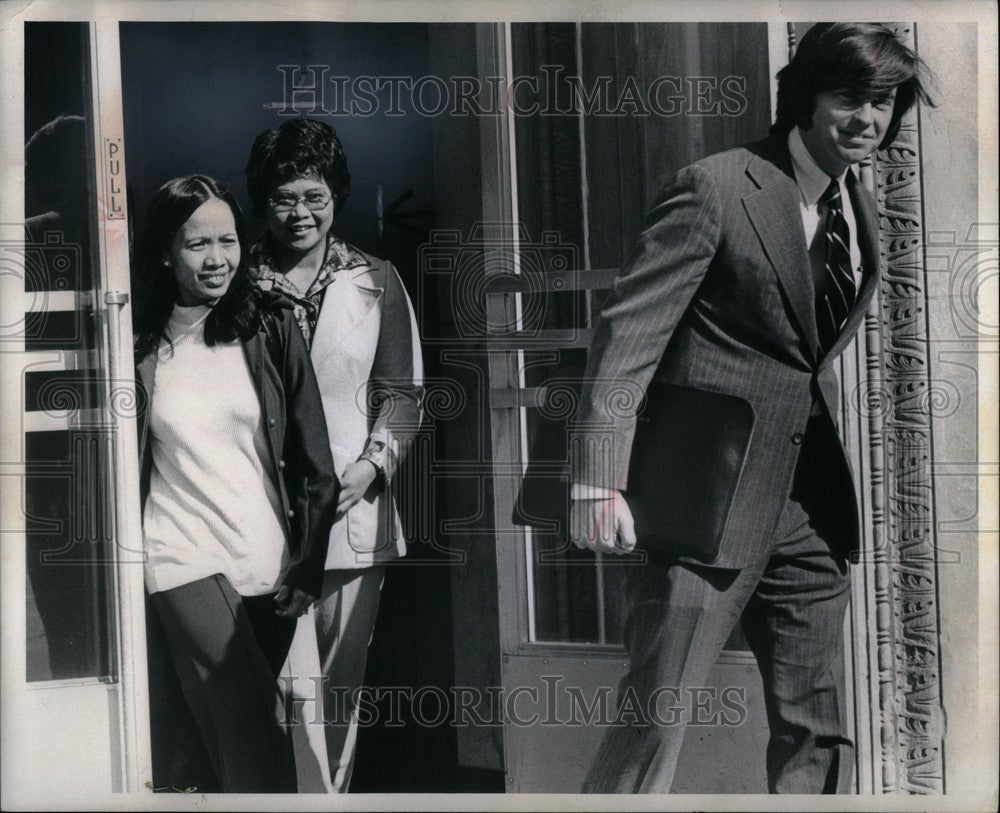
(355, 481)
(354, 484)
(292, 601)
(604, 525)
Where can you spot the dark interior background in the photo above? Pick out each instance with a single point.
(197, 94)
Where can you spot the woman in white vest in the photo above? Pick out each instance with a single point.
(358, 321)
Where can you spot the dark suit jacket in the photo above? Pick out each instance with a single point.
(713, 318)
(299, 448)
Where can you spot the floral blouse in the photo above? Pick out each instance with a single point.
(339, 256)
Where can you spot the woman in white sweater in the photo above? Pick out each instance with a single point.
(238, 485)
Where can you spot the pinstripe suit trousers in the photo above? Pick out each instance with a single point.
(792, 602)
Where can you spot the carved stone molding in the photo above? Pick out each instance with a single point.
(901, 489)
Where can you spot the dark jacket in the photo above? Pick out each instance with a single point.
(297, 441)
(712, 320)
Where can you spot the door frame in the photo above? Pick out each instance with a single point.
(124, 404)
(890, 403)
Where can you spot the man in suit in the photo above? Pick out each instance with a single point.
(750, 276)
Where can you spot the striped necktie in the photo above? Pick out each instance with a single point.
(834, 303)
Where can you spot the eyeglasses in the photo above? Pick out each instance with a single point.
(314, 202)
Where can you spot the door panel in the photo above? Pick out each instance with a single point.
(67, 528)
(70, 652)
(557, 707)
(583, 181)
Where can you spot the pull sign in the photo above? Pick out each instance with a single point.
(115, 186)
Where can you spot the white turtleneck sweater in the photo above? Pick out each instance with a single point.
(212, 504)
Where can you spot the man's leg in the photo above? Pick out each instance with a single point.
(345, 619)
(679, 619)
(794, 623)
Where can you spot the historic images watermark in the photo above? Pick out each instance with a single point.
(552, 704)
(314, 90)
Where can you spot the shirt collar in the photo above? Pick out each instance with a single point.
(340, 255)
(811, 179)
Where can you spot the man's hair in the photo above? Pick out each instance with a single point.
(295, 149)
(863, 60)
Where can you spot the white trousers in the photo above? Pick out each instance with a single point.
(332, 641)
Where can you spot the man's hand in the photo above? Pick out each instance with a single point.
(354, 482)
(602, 525)
(292, 601)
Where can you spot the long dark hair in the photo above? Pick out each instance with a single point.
(235, 315)
(865, 60)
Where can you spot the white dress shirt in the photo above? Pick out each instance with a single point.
(812, 182)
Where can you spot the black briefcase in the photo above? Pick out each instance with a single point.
(687, 456)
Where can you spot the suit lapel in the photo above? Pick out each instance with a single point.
(776, 216)
(348, 302)
(866, 216)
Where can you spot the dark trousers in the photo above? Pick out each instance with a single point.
(227, 650)
(792, 605)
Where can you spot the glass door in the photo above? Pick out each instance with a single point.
(621, 107)
(79, 686)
